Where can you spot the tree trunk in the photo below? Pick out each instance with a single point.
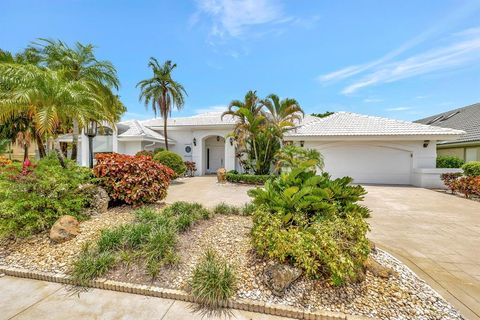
(75, 140)
(64, 148)
(61, 159)
(25, 152)
(165, 131)
(40, 146)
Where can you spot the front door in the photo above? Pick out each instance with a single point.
(215, 158)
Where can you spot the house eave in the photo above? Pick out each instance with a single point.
(369, 137)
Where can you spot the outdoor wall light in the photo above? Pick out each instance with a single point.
(231, 141)
(302, 143)
(425, 143)
(218, 138)
(91, 132)
(195, 141)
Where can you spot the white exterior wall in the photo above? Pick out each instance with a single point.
(129, 147)
(387, 162)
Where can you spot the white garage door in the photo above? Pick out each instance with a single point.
(368, 164)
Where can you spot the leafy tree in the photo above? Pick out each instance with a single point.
(78, 63)
(47, 97)
(322, 115)
(260, 125)
(162, 92)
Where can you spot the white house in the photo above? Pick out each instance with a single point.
(369, 149)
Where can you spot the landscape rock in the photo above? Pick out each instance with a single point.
(377, 269)
(64, 229)
(279, 277)
(99, 198)
(221, 175)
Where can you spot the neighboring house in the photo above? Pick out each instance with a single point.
(466, 147)
(369, 149)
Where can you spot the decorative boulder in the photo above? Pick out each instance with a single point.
(279, 277)
(221, 175)
(377, 269)
(64, 229)
(98, 198)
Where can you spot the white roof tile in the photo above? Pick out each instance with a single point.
(353, 124)
(204, 119)
(136, 129)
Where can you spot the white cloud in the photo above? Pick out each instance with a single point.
(453, 55)
(234, 17)
(214, 108)
(399, 109)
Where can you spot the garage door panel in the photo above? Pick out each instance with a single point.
(368, 164)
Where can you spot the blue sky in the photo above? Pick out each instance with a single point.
(401, 59)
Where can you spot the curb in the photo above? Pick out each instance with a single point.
(239, 304)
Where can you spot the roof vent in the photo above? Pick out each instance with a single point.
(435, 119)
(449, 116)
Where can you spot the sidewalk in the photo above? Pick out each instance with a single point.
(33, 299)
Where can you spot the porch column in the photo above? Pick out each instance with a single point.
(197, 155)
(229, 155)
(115, 139)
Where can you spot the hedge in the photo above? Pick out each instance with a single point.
(471, 168)
(449, 162)
(248, 178)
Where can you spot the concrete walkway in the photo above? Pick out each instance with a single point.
(207, 191)
(33, 299)
(436, 234)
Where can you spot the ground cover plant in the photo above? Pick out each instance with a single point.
(132, 179)
(213, 281)
(312, 222)
(151, 238)
(34, 197)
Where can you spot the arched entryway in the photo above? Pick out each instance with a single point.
(213, 154)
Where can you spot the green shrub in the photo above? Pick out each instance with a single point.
(333, 247)
(223, 208)
(144, 153)
(31, 203)
(316, 196)
(312, 222)
(471, 168)
(132, 180)
(171, 160)
(449, 162)
(247, 178)
(213, 281)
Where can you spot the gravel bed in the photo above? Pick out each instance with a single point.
(39, 253)
(403, 296)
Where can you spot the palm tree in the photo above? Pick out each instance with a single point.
(162, 92)
(47, 97)
(20, 126)
(283, 113)
(80, 64)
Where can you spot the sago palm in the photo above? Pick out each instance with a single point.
(161, 92)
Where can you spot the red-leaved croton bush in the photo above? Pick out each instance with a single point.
(467, 185)
(132, 179)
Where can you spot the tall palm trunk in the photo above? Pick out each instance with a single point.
(164, 112)
(75, 134)
(25, 151)
(58, 152)
(40, 146)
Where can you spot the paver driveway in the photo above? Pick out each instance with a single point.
(436, 234)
